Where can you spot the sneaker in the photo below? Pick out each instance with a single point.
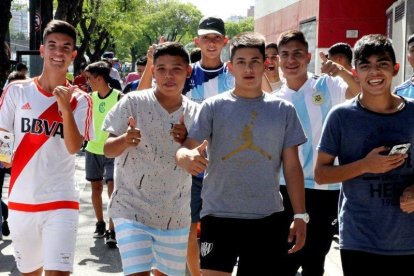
(110, 239)
(100, 229)
(5, 228)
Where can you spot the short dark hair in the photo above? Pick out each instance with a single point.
(292, 35)
(172, 49)
(21, 66)
(410, 39)
(272, 46)
(247, 40)
(107, 61)
(16, 75)
(62, 27)
(341, 48)
(195, 55)
(99, 68)
(373, 44)
(141, 61)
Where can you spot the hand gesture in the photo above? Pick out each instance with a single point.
(407, 200)
(151, 48)
(179, 131)
(132, 136)
(329, 67)
(5, 165)
(63, 96)
(375, 162)
(196, 160)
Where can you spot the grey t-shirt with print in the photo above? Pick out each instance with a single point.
(149, 187)
(246, 139)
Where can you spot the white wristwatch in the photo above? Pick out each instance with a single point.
(304, 216)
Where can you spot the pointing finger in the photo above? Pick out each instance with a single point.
(323, 57)
(162, 39)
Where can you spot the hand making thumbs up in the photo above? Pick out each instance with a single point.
(133, 134)
(179, 131)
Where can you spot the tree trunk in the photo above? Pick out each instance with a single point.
(5, 16)
(69, 11)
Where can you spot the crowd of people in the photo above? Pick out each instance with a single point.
(208, 164)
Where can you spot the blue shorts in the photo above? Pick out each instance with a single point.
(144, 248)
(98, 167)
(196, 201)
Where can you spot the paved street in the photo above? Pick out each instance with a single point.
(92, 257)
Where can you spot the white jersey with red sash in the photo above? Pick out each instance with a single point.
(43, 171)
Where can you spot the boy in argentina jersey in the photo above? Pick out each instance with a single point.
(407, 88)
(50, 119)
(313, 97)
(377, 196)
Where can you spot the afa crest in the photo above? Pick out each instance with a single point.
(318, 98)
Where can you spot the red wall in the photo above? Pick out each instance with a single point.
(333, 17)
(337, 16)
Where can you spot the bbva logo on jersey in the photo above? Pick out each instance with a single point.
(39, 126)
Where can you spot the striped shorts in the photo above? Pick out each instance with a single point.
(144, 248)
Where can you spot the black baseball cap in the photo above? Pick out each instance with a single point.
(211, 25)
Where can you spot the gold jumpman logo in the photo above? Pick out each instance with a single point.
(247, 137)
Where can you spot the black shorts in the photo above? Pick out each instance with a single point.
(258, 244)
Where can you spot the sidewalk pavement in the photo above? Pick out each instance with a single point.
(93, 257)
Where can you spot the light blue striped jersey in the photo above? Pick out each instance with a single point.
(204, 83)
(406, 89)
(313, 102)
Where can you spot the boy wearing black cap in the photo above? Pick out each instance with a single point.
(209, 77)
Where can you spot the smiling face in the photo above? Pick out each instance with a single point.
(58, 51)
(375, 73)
(211, 45)
(272, 61)
(294, 59)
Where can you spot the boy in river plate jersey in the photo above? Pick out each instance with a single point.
(50, 119)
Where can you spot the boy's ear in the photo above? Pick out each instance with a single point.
(309, 56)
(396, 69)
(226, 40)
(355, 74)
(152, 69)
(230, 65)
(42, 50)
(189, 70)
(74, 54)
(196, 41)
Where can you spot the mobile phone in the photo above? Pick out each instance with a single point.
(401, 148)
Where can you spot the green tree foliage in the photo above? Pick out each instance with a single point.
(234, 28)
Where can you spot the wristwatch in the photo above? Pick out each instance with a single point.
(304, 216)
